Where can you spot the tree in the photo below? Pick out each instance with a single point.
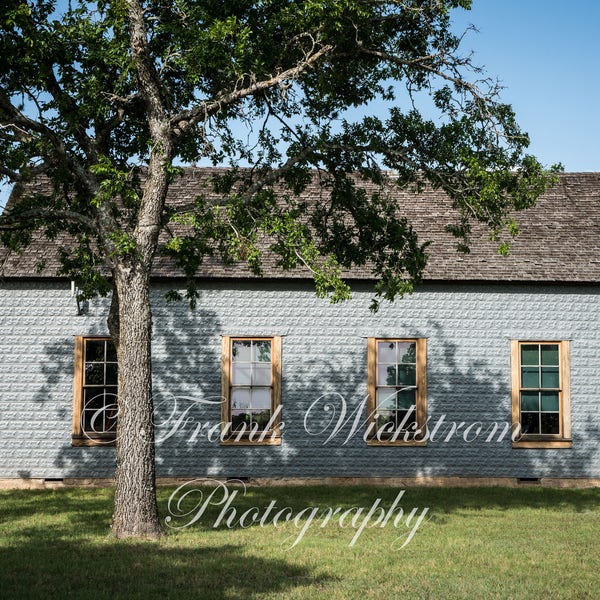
(106, 98)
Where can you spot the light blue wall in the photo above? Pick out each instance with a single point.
(468, 330)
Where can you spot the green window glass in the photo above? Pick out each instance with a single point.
(540, 389)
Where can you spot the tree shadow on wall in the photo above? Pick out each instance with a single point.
(470, 421)
(187, 389)
(463, 389)
(186, 384)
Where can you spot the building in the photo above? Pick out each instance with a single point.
(488, 372)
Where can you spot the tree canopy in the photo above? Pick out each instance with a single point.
(107, 99)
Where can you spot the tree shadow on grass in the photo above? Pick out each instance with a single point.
(55, 546)
(83, 510)
(35, 568)
(53, 543)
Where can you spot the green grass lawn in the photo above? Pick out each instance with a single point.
(471, 543)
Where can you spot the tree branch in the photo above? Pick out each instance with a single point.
(273, 175)
(424, 63)
(86, 143)
(23, 125)
(24, 128)
(155, 188)
(61, 97)
(18, 221)
(184, 120)
(148, 78)
(19, 177)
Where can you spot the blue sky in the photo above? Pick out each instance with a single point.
(547, 54)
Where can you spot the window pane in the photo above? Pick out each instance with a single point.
(530, 423)
(251, 384)
(110, 423)
(261, 418)
(550, 423)
(550, 401)
(386, 352)
(94, 374)
(406, 419)
(93, 421)
(99, 410)
(407, 352)
(261, 351)
(262, 374)
(110, 409)
(240, 419)
(94, 350)
(530, 401)
(241, 351)
(550, 354)
(111, 395)
(240, 398)
(93, 399)
(386, 421)
(100, 375)
(386, 375)
(111, 352)
(550, 377)
(386, 399)
(407, 398)
(530, 354)
(241, 374)
(261, 398)
(111, 374)
(530, 377)
(407, 375)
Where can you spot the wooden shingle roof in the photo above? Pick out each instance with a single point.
(559, 240)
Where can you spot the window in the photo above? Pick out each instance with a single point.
(540, 394)
(397, 385)
(251, 390)
(95, 391)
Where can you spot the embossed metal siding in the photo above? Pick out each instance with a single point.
(468, 329)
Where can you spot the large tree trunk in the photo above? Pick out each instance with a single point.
(135, 511)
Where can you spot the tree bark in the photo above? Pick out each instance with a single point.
(135, 512)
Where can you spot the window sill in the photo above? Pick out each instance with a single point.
(541, 443)
(269, 440)
(93, 441)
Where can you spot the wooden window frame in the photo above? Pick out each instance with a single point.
(268, 437)
(420, 438)
(563, 438)
(79, 437)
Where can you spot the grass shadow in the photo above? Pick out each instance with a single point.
(37, 569)
(54, 544)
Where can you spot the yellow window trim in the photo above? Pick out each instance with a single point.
(563, 438)
(421, 393)
(272, 436)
